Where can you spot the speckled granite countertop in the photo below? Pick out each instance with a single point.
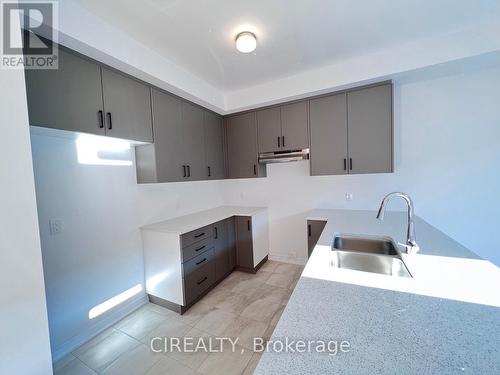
(444, 320)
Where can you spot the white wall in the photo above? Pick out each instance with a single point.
(99, 253)
(447, 156)
(24, 336)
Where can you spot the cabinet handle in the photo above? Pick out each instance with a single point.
(279, 143)
(350, 164)
(209, 172)
(200, 248)
(199, 235)
(100, 115)
(248, 225)
(283, 140)
(345, 164)
(309, 230)
(255, 170)
(189, 171)
(201, 261)
(184, 169)
(216, 233)
(110, 123)
(202, 280)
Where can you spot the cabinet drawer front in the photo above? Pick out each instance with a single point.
(199, 281)
(197, 235)
(198, 261)
(199, 247)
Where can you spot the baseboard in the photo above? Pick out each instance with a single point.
(111, 318)
(286, 259)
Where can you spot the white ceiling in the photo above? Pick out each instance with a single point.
(294, 36)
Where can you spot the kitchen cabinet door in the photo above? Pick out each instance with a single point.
(231, 241)
(294, 126)
(370, 129)
(214, 146)
(193, 142)
(269, 129)
(222, 265)
(241, 146)
(328, 123)
(127, 103)
(314, 229)
(169, 160)
(244, 243)
(68, 98)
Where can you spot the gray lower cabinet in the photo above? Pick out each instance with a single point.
(244, 243)
(352, 132)
(68, 98)
(328, 123)
(127, 103)
(231, 240)
(294, 126)
(224, 248)
(214, 146)
(370, 129)
(314, 229)
(241, 146)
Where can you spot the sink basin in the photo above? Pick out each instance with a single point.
(373, 245)
(368, 254)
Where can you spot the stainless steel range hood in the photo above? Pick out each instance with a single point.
(283, 156)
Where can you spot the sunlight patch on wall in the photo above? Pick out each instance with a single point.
(96, 150)
(112, 302)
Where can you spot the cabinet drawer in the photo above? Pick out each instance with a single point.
(199, 247)
(198, 281)
(198, 261)
(197, 235)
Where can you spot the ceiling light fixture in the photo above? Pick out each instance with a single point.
(246, 42)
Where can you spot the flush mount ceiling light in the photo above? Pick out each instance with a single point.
(246, 42)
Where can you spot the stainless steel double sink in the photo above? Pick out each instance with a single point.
(376, 254)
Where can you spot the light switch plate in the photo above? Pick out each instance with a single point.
(348, 196)
(55, 226)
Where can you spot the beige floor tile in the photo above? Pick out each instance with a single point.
(282, 280)
(63, 362)
(215, 322)
(261, 310)
(217, 295)
(287, 268)
(226, 362)
(167, 329)
(140, 322)
(287, 296)
(169, 366)
(160, 310)
(245, 330)
(269, 266)
(94, 341)
(247, 287)
(194, 359)
(276, 317)
(272, 293)
(73, 367)
(293, 284)
(100, 353)
(252, 365)
(136, 362)
(234, 303)
(195, 313)
(261, 276)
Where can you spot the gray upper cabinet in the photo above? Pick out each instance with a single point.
(127, 103)
(69, 98)
(370, 129)
(241, 146)
(294, 126)
(328, 122)
(214, 146)
(193, 143)
(269, 129)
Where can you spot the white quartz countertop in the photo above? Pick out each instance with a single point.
(446, 319)
(187, 223)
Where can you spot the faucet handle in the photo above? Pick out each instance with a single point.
(412, 248)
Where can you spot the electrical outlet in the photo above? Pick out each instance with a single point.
(348, 196)
(55, 226)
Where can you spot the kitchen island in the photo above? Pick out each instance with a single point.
(443, 320)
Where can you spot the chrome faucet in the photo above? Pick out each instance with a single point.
(411, 244)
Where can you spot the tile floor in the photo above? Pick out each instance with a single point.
(242, 305)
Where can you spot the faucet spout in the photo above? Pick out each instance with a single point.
(411, 243)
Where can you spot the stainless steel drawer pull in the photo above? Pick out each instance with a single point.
(199, 235)
(201, 248)
(201, 261)
(202, 280)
